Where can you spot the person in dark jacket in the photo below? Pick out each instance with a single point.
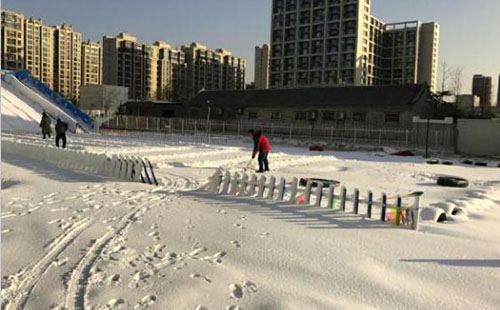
(61, 128)
(261, 144)
(45, 125)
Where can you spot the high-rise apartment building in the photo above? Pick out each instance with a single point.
(39, 50)
(172, 73)
(337, 42)
(91, 63)
(409, 53)
(12, 40)
(481, 87)
(67, 62)
(131, 63)
(213, 70)
(262, 67)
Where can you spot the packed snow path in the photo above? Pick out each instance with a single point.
(73, 241)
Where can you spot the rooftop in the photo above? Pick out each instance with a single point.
(317, 97)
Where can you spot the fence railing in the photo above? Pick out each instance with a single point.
(438, 139)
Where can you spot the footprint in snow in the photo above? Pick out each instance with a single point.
(236, 243)
(249, 286)
(200, 307)
(239, 226)
(264, 235)
(146, 302)
(243, 218)
(233, 308)
(236, 291)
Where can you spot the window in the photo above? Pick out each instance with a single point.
(333, 116)
(275, 115)
(300, 116)
(359, 116)
(392, 117)
(252, 115)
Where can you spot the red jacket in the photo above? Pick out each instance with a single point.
(261, 144)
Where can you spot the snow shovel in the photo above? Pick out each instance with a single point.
(248, 166)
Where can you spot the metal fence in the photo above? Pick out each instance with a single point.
(442, 138)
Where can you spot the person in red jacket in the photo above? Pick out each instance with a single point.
(261, 145)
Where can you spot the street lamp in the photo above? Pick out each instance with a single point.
(208, 117)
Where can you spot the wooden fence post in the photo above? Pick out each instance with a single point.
(343, 198)
(261, 186)
(225, 183)
(369, 205)
(331, 197)
(281, 188)
(308, 192)
(384, 207)
(319, 194)
(252, 183)
(293, 188)
(271, 186)
(356, 201)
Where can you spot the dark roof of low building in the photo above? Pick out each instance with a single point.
(317, 97)
(152, 104)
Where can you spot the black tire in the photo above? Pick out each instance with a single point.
(447, 163)
(481, 164)
(452, 182)
(467, 162)
(433, 161)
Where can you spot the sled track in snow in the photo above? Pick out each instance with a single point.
(23, 283)
(77, 285)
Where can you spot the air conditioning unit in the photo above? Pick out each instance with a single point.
(312, 115)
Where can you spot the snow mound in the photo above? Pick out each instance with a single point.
(22, 108)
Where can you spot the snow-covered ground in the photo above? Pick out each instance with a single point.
(73, 241)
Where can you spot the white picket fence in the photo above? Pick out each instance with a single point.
(130, 168)
(225, 183)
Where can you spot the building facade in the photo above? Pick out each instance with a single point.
(39, 50)
(67, 62)
(131, 63)
(481, 87)
(339, 42)
(12, 40)
(380, 106)
(91, 63)
(212, 69)
(262, 67)
(52, 54)
(409, 53)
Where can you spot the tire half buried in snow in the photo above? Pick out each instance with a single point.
(452, 181)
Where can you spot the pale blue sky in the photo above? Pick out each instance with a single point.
(470, 30)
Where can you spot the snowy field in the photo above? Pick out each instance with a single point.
(74, 241)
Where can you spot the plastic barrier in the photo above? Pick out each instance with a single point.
(27, 79)
(236, 185)
(123, 168)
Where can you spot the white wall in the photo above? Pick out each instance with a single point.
(479, 137)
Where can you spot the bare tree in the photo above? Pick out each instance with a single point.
(109, 99)
(456, 79)
(445, 73)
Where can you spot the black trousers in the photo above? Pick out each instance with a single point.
(263, 163)
(46, 134)
(63, 137)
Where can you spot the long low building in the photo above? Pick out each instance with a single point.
(381, 106)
